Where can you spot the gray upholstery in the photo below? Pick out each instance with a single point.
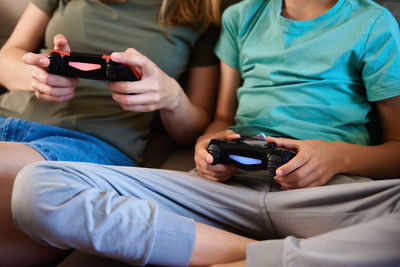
(393, 6)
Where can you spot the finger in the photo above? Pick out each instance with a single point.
(38, 60)
(222, 170)
(227, 135)
(49, 98)
(299, 180)
(54, 80)
(203, 162)
(208, 177)
(61, 43)
(51, 91)
(311, 183)
(286, 143)
(139, 108)
(301, 173)
(136, 99)
(135, 87)
(220, 176)
(293, 164)
(203, 155)
(133, 58)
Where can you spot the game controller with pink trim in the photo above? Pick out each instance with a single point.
(90, 66)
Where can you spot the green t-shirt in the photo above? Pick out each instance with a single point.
(94, 27)
(311, 79)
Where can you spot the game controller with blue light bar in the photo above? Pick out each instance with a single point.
(248, 156)
(90, 66)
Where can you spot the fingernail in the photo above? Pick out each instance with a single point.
(116, 55)
(43, 61)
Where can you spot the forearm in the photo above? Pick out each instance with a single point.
(186, 121)
(379, 162)
(216, 126)
(192, 108)
(14, 73)
(26, 37)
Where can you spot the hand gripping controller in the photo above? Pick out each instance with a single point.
(90, 66)
(248, 156)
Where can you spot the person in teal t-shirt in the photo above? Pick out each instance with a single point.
(56, 118)
(315, 78)
(305, 73)
(311, 79)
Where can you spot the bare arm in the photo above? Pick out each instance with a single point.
(184, 115)
(26, 37)
(318, 161)
(224, 117)
(192, 111)
(227, 101)
(382, 161)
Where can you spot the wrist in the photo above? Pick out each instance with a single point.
(176, 96)
(343, 157)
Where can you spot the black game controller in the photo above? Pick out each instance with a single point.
(249, 156)
(90, 66)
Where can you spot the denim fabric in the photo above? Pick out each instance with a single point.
(58, 144)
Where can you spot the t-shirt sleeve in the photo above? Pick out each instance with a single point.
(48, 6)
(227, 46)
(381, 59)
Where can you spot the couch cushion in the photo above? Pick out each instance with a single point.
(11, 10)
(393, 6)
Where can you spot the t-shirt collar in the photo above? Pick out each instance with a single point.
(319, 21)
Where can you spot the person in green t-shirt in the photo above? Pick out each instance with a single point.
(55, 118)
(302, 71)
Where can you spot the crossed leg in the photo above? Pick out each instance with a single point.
(17, 249)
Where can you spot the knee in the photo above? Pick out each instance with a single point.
(30, 201)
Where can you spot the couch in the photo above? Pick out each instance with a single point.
(174, 156)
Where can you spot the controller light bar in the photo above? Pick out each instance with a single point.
(245, 160)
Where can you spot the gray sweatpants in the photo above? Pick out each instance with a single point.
(135, 214)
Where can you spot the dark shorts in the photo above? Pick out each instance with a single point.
(58, 144)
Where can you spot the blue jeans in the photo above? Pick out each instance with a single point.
(58, 144)
(141, 216)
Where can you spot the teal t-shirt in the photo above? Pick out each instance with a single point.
(311, 79)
